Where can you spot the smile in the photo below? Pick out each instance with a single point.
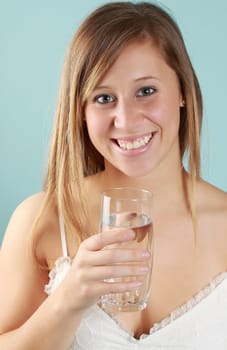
(136, 143)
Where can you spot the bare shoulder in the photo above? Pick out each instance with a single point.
(21, 281)
(212, 207)
(20, 227)
(21, 220)
(211, 198)
(26, 211)
(212, 215)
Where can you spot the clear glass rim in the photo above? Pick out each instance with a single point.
(109, 193)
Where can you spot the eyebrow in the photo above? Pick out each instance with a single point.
(137, 79)
(147, 78)
(101, 87)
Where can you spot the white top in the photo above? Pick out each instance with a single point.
(199, 324)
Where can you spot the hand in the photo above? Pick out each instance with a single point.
(94, 264)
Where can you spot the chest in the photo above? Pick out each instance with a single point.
(181, 268)
(193, 330)
(180, 272)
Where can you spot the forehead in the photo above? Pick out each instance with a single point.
(137, 59)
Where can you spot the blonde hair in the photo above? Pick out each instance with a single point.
(94, 48)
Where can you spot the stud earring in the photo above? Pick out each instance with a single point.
(182, 104)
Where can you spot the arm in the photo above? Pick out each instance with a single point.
(27, 316)
(30, 320)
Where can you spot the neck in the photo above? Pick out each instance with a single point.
(168, 186)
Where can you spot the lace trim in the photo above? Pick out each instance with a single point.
(57, 274)
(63, 264)
(190, 303)
(181, 310)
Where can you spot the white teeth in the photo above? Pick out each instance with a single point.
(135, 144)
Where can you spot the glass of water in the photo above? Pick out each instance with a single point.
(128, 208)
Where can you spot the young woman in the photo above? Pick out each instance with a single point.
(130, 108)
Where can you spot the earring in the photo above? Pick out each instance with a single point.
(182, 104)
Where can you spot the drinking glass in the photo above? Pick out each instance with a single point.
(128, 208)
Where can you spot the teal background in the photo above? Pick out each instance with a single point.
(34, 36)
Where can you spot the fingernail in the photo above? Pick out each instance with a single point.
(136, 284)
(145, 254)
(144, 268)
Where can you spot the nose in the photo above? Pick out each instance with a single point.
(127, 116)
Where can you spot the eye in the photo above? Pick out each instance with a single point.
(146, 91)
(104, 99)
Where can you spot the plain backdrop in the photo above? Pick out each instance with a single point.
(34, 36)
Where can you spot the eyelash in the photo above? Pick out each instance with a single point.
(151, 89)
(96, 98)
(110, 98)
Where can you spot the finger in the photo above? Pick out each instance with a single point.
(94, 291)
(112, 256)
(102, 273)
(107, 287)
(102, 239)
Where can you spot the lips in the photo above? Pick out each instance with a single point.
(134, 143)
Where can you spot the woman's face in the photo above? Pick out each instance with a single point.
(133, 115)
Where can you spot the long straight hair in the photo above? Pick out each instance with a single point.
(95, 47)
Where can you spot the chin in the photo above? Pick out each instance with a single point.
(137, 172)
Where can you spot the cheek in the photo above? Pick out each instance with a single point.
(95, 124)
(165, 111)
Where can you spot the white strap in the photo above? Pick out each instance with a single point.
(63, 236)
